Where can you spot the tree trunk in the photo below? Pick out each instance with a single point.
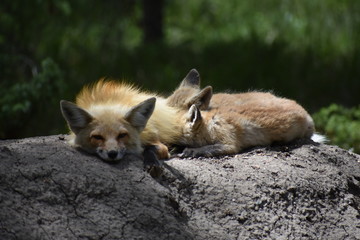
(153, 20)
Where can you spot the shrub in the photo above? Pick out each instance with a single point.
(26, 100)
(341, 125)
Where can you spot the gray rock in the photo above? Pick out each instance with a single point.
(302, 190)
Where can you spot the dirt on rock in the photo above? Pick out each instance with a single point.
(301, 190)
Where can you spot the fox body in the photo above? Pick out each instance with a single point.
(231, 122)
(112, 119)
(232, 127)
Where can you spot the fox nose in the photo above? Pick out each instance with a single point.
(112, 154)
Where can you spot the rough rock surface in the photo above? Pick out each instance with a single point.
(302, 190)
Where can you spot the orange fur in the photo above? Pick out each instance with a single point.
(112, 94)
(108, 103)
(233, 122)
(228, 128)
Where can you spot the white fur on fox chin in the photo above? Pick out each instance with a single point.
(319, 138)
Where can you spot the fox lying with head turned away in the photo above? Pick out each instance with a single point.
(230, 123)
(113, 119)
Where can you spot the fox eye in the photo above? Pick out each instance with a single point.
(122, 135)
(98, 137)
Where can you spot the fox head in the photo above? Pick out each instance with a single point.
(195, 130)
(107, 132)
(189, 93)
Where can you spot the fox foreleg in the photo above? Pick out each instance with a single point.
(151, 161)
(209, 151)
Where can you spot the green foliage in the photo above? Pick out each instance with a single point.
(297, 48)
(341, 125)
(328, 27)
(25, 101)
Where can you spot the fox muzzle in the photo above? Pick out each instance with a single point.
(112, 155)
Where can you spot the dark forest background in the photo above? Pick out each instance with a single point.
(307, 50)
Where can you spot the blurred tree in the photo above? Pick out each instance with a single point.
(153, 20)
(302, 49)
(30, 103)
(38, 40)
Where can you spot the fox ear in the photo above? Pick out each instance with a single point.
(202, 99)
(192, 79)
(76, 117)
(194, 116)
(140, 114)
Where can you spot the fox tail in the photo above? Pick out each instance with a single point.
(316, 137)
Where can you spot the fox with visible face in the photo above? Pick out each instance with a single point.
(230, 123)
(112, 119)
(104, 132)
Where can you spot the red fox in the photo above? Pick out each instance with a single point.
(233, 122)
(112, 119)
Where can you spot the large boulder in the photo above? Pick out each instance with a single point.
(302, 190)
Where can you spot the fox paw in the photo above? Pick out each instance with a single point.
(152, 165)
(162, 151)
(154, 171)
